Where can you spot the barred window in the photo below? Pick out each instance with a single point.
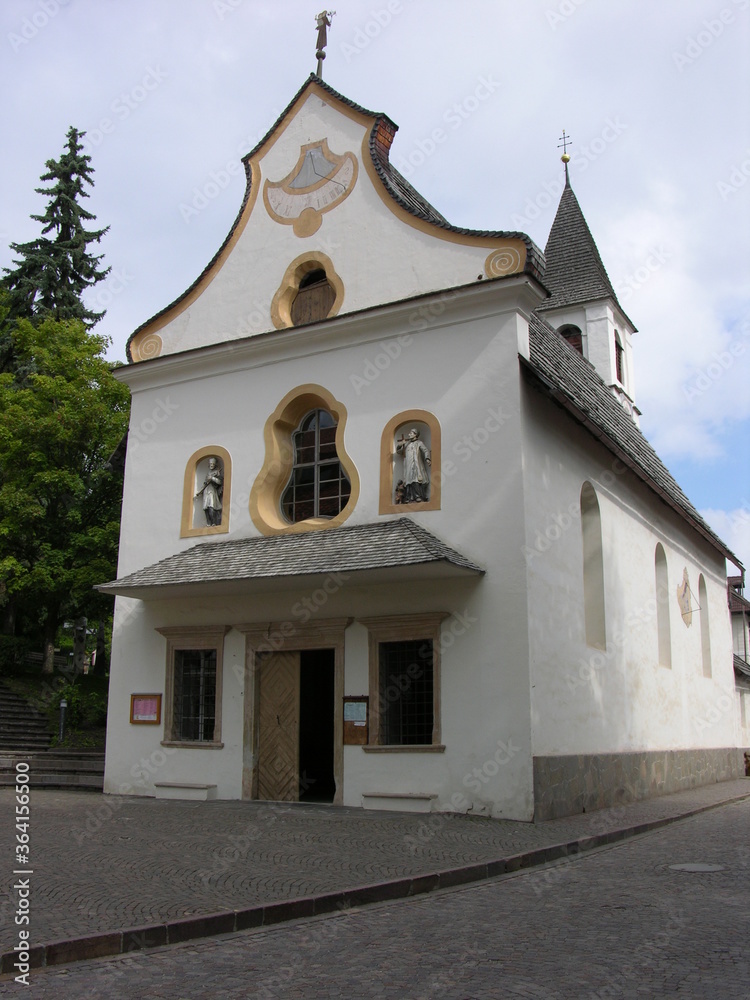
(404, 689)
(193, 685)
(194, 712)
(406, 693)
(318, 486)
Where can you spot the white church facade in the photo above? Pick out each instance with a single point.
(391, 536)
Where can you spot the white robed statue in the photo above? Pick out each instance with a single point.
(416, 475)
(212, 491)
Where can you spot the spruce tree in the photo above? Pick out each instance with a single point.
(54, 270)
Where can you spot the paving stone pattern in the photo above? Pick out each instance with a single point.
(106, 863)
(617, 923)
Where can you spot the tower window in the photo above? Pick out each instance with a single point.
(318, 486)
(619, 367)
(573, 336)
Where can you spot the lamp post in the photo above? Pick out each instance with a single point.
(63, 706)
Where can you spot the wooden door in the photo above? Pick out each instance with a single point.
(278, 728)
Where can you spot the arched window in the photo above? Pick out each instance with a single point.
(619, 365)
(573, 336)
(705, 632)
(318, 485)
(315, 298)
(310, 291)
(662, 608)
(306, 467)
(593, 568)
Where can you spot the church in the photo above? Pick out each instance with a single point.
(391, 535)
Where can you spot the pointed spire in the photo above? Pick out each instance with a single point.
(574, 273)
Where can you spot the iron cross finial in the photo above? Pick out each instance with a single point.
(566, 141)
(323, 21)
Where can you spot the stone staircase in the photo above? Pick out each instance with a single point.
(21, 726)
(25, 736)
(80, 770)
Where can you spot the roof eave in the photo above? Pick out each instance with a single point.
(564, 401)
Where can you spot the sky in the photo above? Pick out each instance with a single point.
(656, 98)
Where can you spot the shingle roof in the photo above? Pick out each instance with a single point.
(573, 382)
(387, 544)
(737, 602)
(574, 271)
(741, 668)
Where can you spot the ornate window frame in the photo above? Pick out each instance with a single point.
(271, 481)
(388, 458)
(313, 260)
(191, 486)
(185, 637)
(403, 628)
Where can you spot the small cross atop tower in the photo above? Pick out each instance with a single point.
(566, 141)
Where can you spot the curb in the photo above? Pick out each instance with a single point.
(124, 942)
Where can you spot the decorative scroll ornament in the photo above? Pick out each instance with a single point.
(320, 181)
(506, 260)
(149, 347)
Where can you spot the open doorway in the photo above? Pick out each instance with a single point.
(316, 777)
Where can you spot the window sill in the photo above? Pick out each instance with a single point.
(193, 744)
(405, 748)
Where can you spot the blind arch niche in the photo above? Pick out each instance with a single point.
(593, 569)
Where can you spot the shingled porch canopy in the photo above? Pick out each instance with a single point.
(390, 551)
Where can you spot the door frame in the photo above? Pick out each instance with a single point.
(288, 637)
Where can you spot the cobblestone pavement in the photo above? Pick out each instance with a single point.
(104, 863)
(620, 922)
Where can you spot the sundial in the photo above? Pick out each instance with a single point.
(318, 182)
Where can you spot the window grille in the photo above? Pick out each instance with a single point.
(318, 487)
(194, 694)
(406, 692)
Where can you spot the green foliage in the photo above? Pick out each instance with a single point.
(86, 709)
(81, 739)
(62, 415)
(13, 652)
(54, 269)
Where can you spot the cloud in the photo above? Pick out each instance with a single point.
(733, 527)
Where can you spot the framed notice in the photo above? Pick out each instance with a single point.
(145, 709)
(356, 720)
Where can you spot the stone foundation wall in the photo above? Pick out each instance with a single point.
(564, 786)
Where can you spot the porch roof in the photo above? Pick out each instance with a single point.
(389, 551)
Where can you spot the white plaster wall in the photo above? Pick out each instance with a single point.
(135, 758)
(377, 256)
(589, 701)
(742, 714)
(463, 367)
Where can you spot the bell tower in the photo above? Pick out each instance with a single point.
(583, 306)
